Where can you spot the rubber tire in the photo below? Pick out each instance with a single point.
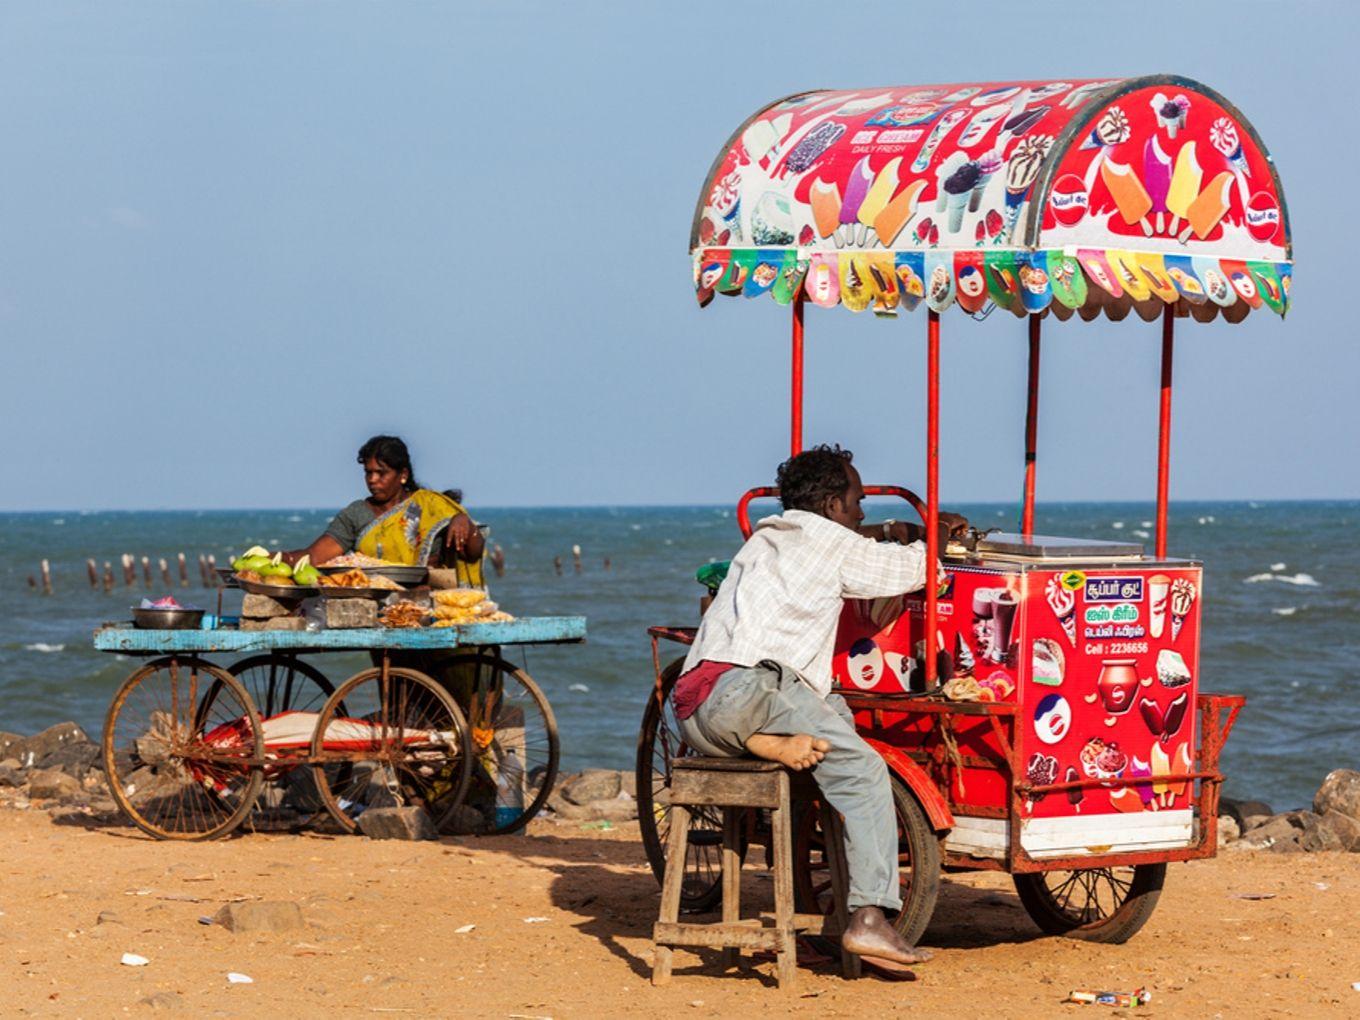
(923, 844)
(1118, 928)
(252, 788)
(647, 820)
(517, 675)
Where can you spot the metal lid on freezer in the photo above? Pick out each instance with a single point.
(1011, 546)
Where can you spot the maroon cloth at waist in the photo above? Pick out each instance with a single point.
(695, 685)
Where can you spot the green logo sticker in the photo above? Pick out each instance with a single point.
(1073, 579)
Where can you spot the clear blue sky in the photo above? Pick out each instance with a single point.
(238, 238)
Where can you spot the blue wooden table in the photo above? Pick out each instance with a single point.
(530, 630)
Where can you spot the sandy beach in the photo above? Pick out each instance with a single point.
(561, 923)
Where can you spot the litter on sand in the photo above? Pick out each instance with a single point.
(1254, 896)
(239, 979)
(464, 930)
(133, 960)
(534, 920)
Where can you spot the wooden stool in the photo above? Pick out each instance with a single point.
(733, 784)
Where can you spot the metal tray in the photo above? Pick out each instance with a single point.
(402, 575)
(283, 592)
(355, 593)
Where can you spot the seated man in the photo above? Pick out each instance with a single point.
(758, 678)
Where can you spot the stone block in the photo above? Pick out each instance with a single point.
(344, 613)
(265, 915)
(411, 823)
(11, 774)
(8, 741)
(53, 784)
(274, 623)
(1333, 831)
(1339, 792)
(1246, 812)
(1228, 829)
(75, 759)
(592, 785)
(34, 749)
(262, 607)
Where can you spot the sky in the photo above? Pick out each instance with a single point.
(237, 239)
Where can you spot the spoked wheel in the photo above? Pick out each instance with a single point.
(1093, 904)
(281, 683)
(182, 766)
(918, 864)
(658, 742)
(514, 742)
(392, 739)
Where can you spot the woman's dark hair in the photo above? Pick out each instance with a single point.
(808, 479)
(391, 451)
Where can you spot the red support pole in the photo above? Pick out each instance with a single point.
(1164, 430)
(1031, 427)
(932, 492)
(796, 425)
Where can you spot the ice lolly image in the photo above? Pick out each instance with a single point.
(823, 282)
(943, 126)
(1064, 605)
(826, 206)
(896, 214)
(1159, 587)
(811, 146)
(877, 198)
(1184, 185)
(1183, 592)
(982, 123)
(1130, 197)
(856, 189)
(1208, 208)
(1157, 180)
(1076, 793)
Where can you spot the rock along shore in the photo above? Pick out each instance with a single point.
(59, 771)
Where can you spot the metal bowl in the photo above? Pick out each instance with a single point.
(402, 575)
(167, 619)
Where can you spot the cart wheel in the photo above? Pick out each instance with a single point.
(179, 765)
(507, 714)
(918, 863)
(1093, 904)
(281, 683)
(658, 742)
(392, 742)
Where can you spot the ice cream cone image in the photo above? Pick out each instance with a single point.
(1130, 197)
(1183, 593)
(1022, 168)
(897, 213)
(1159, 587)
(1170, 113)
(876, 200)
(826, 206)
(1185, 180)
(1208, 208)
(1224, 137)
(988, 165)
(1064, 606)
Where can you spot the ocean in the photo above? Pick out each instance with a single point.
(1281, 602)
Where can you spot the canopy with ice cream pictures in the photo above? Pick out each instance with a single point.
(1075, 196)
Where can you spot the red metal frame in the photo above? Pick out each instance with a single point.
(1164, 429)
(772, 491)
(932, 489)
(796, 424)
(1031, 428)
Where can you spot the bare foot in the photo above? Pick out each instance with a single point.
(871, 936)
(798, 751)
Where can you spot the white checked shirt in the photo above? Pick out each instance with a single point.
(782, 597)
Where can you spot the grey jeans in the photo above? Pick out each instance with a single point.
(771, 698)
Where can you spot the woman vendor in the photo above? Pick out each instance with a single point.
(399, 521)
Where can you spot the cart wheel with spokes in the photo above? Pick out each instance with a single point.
(658, 742)
(514, 738)
(391, 738)
(1092, 904)
(918, 863)
(279, 683)
(180, 765)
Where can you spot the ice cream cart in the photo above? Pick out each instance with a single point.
(1042, 712)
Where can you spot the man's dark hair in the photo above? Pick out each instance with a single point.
(391, 451)
(808, 479)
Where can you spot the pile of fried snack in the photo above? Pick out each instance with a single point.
(356, 578)
(449, 608)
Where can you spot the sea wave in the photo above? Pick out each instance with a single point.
(1285, 610)
(43, 646)
(1300, 579)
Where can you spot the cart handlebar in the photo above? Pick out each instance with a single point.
(769, 491)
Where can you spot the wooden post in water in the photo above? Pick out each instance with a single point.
(165, 573)
(32, 582)
(146, 569)
(183, 572)
(213, 580)
(92, 569)
(108, 576)
(129, 570)
(203, 570)
(47, 577)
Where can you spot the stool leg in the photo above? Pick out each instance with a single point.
(833, 831)
(670, 890)
(787, 957)
(731, 878)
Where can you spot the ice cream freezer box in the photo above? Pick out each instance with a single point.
(1094, 648)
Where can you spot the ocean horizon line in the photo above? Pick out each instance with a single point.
(520, 507)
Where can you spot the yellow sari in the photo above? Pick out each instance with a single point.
(408, 533)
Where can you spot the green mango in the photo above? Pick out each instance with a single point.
(304, 572)
(255, 563)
